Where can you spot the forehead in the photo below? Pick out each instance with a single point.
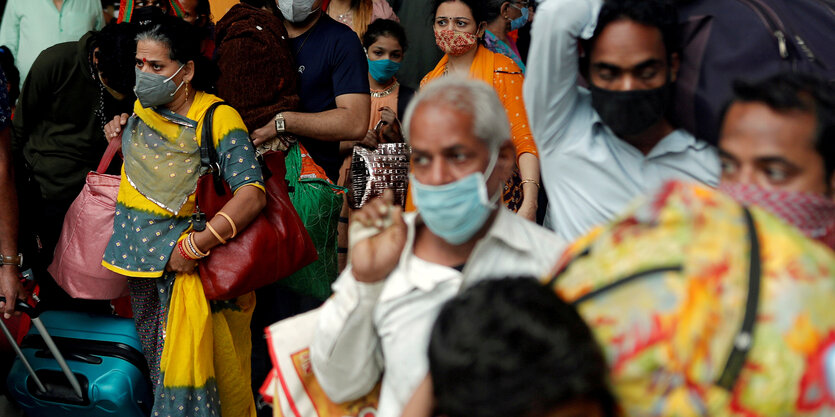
(189, 5)
(152, 50)
(627, 43)
(386, 42)
(435, 127)
(756, 130)
(454, 9)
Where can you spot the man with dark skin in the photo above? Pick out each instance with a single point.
(603, 146)
(321, 124)
(777, 148)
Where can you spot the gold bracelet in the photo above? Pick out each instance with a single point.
(231, 223)
(214, 232)
(527, 181)
(186, 245)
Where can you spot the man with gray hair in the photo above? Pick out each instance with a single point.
(403, 267)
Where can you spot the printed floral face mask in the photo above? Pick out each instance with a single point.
(455, 43)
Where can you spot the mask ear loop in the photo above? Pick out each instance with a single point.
(494, 158)
(172, 77)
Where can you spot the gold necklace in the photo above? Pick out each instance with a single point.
(387, 91)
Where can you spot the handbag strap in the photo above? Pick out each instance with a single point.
(208, 153)
(743, 340)
(112, 147)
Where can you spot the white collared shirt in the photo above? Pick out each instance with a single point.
(369, 330)
(589, 174)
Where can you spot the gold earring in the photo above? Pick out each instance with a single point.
(186, 91)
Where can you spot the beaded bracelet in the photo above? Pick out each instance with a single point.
(183, 251)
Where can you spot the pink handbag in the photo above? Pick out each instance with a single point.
(87, 228)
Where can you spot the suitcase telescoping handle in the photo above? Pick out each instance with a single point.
(34, 315)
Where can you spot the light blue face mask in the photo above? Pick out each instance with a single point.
(154, 90)
(383, 70)
(520, 21)
(456, 211)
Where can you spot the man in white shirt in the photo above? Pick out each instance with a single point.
(378, 321)
(603, 146)
(30, 26)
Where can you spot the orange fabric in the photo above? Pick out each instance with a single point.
(506, 78)
(377, 102)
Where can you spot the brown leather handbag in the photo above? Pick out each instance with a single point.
(272, 247)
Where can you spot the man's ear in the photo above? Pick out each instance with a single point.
(675, 64)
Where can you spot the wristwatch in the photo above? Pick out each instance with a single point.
(16, 260)
(279, 123)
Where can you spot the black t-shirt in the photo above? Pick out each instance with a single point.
(331, 63)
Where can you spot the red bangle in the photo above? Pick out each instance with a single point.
(182, 250)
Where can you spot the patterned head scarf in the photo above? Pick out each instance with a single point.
(126, 9)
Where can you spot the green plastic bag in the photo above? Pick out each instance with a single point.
(318, 202)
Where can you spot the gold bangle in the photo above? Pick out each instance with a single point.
(231, 223)
(188, 250)
(214, 232)
(529, 181)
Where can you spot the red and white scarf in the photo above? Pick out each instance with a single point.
(813, 214)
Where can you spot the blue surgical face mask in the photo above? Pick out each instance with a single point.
(520, 21)
(456, 211)
(154, 90)
(383, 70)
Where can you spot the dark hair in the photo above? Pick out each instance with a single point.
(11, 72)
(493, 9)
(183, 41)
(476, 8)
(789, 91)
(660, 14)
(116, 55)
(512, 348)
(384, 27)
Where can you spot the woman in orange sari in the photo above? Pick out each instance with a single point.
(459, 25)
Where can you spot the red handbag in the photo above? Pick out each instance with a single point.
(272, 247)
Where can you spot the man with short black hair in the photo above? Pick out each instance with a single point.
(513, 348)
(603, 146)
(777, 147)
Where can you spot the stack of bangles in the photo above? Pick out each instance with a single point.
(189, 250)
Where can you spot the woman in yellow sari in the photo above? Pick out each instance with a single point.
(198, 350)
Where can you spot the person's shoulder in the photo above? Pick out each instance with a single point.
(504, 65)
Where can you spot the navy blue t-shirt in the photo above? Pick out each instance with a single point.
(331, 63)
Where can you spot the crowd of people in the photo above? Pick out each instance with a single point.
(531, 126)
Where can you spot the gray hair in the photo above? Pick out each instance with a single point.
(471, 97)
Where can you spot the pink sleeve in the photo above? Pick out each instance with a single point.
(382, 10)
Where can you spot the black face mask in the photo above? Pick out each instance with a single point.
(630, 112)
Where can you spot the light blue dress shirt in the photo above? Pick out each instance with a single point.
(589, 174)
(30, 26)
